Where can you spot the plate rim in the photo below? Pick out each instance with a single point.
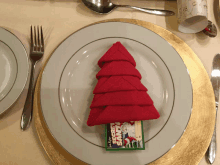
(16, 61)
(173, 88)
(43, 73)
(22, 70)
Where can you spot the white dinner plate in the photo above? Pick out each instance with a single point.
(13, 69)
(70, 77)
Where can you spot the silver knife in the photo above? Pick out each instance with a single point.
(215, 79)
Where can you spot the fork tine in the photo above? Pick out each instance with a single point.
(38, 38)
(32, 41)
(35, 39)
(42, 39)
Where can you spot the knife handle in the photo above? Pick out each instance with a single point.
(211, 152)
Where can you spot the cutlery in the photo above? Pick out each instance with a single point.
(36, 53)
(215, 79)
(105, 6)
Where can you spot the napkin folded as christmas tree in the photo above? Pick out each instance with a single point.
(119, 94)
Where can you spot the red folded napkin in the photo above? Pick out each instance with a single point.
(119, 94)
(122, 98)
(118, 68)
(116, 53)
(112, 114)
(118, 83)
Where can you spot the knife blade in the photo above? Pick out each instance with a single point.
(215, 80)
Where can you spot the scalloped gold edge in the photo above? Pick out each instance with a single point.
(195, 140)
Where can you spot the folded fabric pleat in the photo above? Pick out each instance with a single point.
(118, 68)
(112, 114)
(116, 53)
(121, 98)
(118, 83)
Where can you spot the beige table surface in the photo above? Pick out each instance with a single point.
(60, 18)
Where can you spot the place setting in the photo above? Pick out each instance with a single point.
(63, 119)
(117, 91)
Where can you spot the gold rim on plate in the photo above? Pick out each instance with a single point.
(194, 142)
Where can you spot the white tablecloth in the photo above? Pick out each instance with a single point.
(59, 19)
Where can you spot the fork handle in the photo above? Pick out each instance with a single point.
(28, 107)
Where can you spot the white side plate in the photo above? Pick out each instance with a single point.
(8, 69)
(14, 68)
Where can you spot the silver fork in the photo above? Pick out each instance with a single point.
(36, 53)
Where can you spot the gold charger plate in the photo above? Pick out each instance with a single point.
(194, 142)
